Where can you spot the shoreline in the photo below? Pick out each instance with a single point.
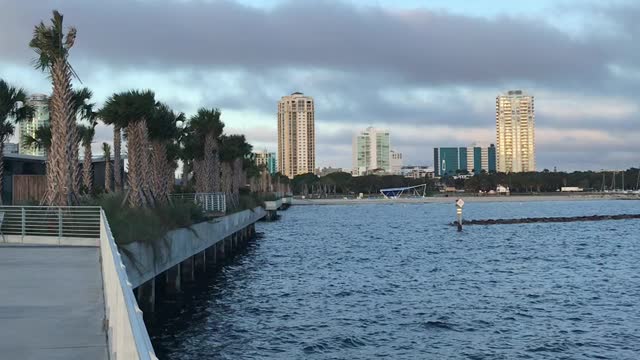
(451, 199)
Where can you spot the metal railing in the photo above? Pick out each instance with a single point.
(67, 224)
(210, 202)
(127, 333)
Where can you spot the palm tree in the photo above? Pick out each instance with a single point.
(163, 131)
(52, 46)
(106, 149)
(84, 110)
(13, 106)
(207, 128)
(130, 111)
(40, 140)
(86, 138)
(234, 149)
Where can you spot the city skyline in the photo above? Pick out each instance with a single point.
(577, 57)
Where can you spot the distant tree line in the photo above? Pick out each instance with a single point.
(546, 181)
(341, 183)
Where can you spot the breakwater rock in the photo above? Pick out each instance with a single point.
(547, 219)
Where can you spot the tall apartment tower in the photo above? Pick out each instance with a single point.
(371, 151)
(40, 104)
(296, 135)
(515, 134)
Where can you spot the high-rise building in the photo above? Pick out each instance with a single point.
(396, 162)
(449, 161)
(296, 135)
(371, 152)
(268, 159)
(40, 104)
(515, 135)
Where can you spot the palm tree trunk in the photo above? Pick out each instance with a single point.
(1, 168)
(215, 167)
(86, 169)
(199, 173)
(237, 176)
(210, 154)
(136, 197)
(60, 175)
(144, 162)
(117, 169)
(159, 170)
(107, 175)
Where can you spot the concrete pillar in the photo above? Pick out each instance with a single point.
(221, 248)
(173, 280)
(147, 296)
(188, 270)
(200, 261)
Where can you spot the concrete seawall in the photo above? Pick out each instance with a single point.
(144, 261)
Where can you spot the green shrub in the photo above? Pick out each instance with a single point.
(145, 224)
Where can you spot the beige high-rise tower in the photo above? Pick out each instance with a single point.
(296, 135)
(515, 132)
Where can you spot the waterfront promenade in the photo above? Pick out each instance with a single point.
(51, 303)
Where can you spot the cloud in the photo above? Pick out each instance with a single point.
(431, 77)
(419, 46)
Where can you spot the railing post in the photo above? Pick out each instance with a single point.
(59, 224)
(24, 222)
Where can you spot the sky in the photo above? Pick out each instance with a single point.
(429, 71)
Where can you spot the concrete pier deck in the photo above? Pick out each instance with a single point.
(51, 303)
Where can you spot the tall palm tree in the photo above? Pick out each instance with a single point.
(52, 46)
(207, 128)
(86, 138)
(13, 106)
(84, 110)
(163, 130)
(106, 149)
(130, 111)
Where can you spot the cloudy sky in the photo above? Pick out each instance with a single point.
(428, 70)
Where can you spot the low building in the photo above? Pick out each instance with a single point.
(24, 181)
(417, 172)
(327, 170)
(268, 159)
(10, 148)
(396, 162)
(449, 161)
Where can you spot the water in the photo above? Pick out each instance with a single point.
(373, 281)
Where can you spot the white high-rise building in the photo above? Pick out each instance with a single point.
(40, 104)
(396, 162)
(515, 132)
(371, 152)
(296, 135)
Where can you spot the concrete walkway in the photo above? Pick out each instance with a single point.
(51, 303)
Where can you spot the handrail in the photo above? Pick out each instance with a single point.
(127, 334)
(210, 202)
(60, 225)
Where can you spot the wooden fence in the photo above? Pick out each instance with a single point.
(28, 188)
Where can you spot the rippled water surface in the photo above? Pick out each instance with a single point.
(371, 281)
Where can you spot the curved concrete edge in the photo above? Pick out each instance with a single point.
(144, 262)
